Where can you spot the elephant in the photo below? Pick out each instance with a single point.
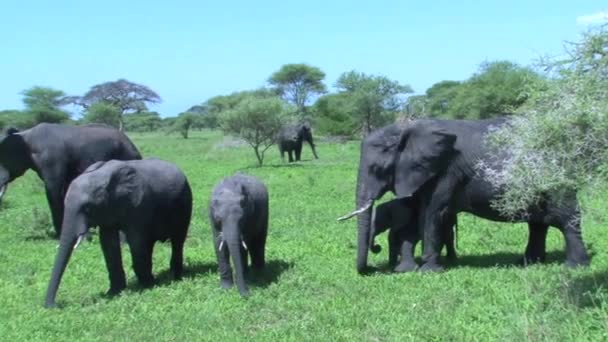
(149, 200)
(400, 215)
(290, 140)
(438, 159)
(58, 154)
(238, 212)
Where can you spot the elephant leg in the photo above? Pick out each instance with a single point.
(298, 151)
(407, 263)
(110, 245)
(448, 231)
(282, 155)
(257, 252)
(290, 155)
(177, 257)
(394, 247)
(535, 251)
(569, 225)
(430, 216)
(141, 254)
(54, 196)
(223, 261)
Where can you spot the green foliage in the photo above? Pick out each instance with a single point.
(310, 289)
(498, 88)
(103, 113)
(376, 99)
(142, 122)
(335, 115)
(186, 121)
(257, 121)
(15, 118)
(558, 142)
(43, 105)
(298, 83)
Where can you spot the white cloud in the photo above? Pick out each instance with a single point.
(595, 18)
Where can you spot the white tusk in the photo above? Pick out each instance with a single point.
(78, 241)
(356, 212)
(221, 245)
(244, 245)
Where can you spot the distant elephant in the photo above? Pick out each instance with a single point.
(438, 159)
(149, 200)
(290, 140)
(400, 216)
(238, 212)
(58, 154)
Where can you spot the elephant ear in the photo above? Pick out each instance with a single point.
(423, 152)
(127, 186)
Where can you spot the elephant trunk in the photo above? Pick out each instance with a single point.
(312, 147)
(234, 244)
(364, 224)
(73, 230)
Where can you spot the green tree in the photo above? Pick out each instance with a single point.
(186, 121)
(103, 113)
(297, 84)
(497, 88)
(142, 122)
(43, 105)
(127, 96)
(376, 98)
(15, 118)
(558, 140)
(256, 120)
(335, 115)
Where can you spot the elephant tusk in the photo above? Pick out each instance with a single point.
(78, 241)
(356, 212)
(244, 245)
(221, 245)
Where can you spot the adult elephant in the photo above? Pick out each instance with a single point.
(438, 159)
(290, 140)
(58, 154)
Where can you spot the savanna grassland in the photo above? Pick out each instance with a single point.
(310, 289)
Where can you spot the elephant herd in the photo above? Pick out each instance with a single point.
(94, 176)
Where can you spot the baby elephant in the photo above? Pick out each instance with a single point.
(149, 200)
(400, 215)
(238, 211)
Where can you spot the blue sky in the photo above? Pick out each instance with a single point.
(189, 51)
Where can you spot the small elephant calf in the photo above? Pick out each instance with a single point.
(238, 211)
(400, 216)
(149, 200)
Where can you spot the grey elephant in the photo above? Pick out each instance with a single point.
(399, 216)
(149, 200)
(58, 154)
(290, 140)
(438, 159)
(238, 212)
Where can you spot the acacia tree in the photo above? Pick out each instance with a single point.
(125, 95)
(102, 112)
(376, 98)
(256, 120)
(43, 105)
(558, 142)
(297, 84)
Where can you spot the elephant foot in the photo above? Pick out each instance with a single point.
(531, 260)
(406, 267)
(577, 263)
(244, 293)
(114, 291)
(431, 267)
(226, 284)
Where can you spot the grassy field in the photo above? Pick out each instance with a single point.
(310, 289)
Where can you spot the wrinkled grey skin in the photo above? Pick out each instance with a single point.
(58, 154)
(290, 140)
(437, 159)
(149, 200)
(238, 212)
(399, 216)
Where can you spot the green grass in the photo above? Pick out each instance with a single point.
(310, 290)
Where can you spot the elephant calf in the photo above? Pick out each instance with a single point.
(400, 216)
(238, 211)
(149, 200)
